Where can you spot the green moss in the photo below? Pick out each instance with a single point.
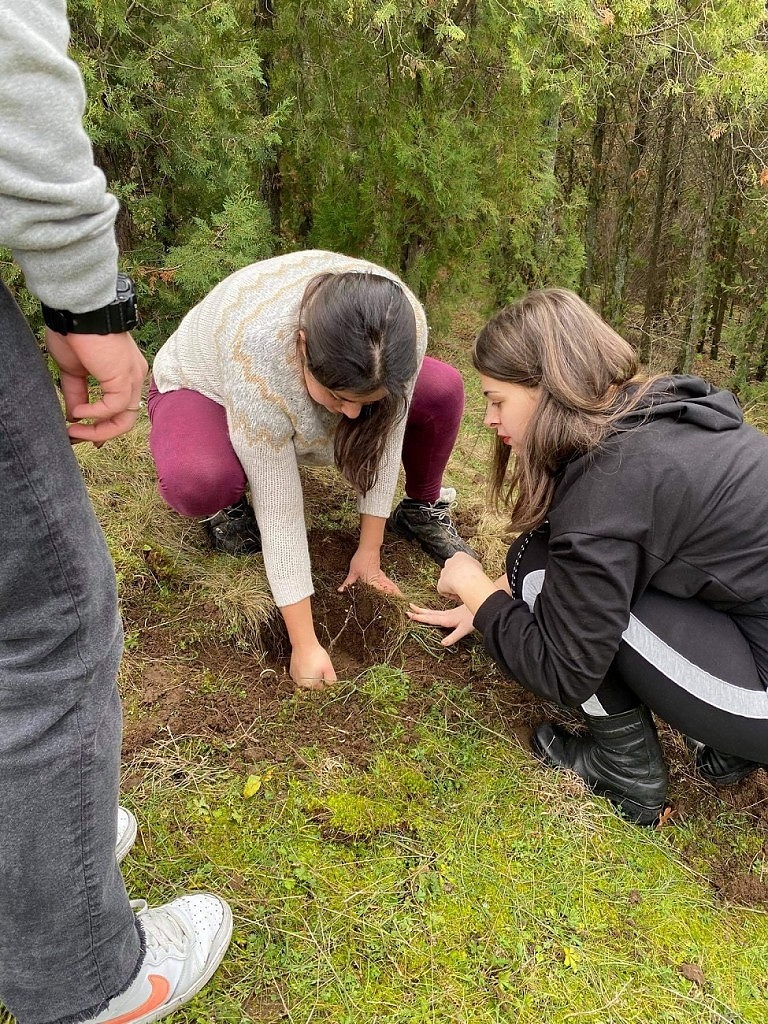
(358, 816)
(454, 882)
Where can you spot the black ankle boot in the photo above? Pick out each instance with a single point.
(430, 524)
(721, 769)
(234, 529)
(620, 759)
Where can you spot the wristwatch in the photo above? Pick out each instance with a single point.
(119, 315)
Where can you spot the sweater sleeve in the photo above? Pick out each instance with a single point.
(55, 212)
(563, 648)
(278, 502)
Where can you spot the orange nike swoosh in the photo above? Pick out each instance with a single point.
(160, 990)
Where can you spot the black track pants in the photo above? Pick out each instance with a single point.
(689, 663)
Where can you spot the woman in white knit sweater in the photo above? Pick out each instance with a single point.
(310, 358)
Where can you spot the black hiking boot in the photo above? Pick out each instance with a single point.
(431, 525)
(619, 759)
(234, 529)
(720, 769)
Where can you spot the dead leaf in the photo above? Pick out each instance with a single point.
(665, 817)
(693, 973)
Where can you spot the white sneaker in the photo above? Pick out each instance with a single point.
(126, 832)
(186, 942)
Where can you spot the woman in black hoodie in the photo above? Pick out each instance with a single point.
(639, 579)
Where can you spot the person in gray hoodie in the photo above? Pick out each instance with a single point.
(72, 946)
(639, 580)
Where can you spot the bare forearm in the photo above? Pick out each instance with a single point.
(475, 591)
(299, 623)
(502, 583)
(463, 577)
(371, 532)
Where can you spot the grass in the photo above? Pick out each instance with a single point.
(454, 881)
(443, 876)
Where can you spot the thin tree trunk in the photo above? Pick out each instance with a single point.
(542, 244)
(698, 286)
(654, 290)
(627, 213)
(727, 267)
(762, 362)
(594, 193)
(271, 182)
(751, 332)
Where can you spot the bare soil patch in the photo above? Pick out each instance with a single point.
(254, 714)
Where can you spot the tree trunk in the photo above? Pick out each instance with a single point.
(727, 270)
(615, 305)
(271, 183)
(698, 286)
(594, 193)
(751, 332)
(762, 362)
(538, 272)
(655, 286)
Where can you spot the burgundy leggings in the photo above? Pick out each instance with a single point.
(199, 473)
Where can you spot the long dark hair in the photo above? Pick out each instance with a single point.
(359, 336)
(588, 379)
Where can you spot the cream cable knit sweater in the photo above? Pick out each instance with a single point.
(238, 347)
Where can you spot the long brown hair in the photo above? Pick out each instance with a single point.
(360, 336)
(587, 377)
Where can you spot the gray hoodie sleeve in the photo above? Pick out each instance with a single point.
(56, 215)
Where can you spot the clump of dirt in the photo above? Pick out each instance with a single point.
(731, 873)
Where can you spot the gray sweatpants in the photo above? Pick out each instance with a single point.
(68, 937)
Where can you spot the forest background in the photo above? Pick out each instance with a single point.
(478, 148)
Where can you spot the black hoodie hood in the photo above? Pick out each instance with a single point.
(687, 400)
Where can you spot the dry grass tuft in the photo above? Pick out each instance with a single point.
(159, 548)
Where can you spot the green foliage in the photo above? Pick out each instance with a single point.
(238, 235)
(174, 116)
(386, 686)
(464, 144)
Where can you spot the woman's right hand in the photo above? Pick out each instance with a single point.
(459, 620)
(311, 667)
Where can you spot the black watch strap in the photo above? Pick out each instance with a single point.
(119, 315)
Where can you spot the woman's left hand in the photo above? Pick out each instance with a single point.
(459, 620)
(365, 567)
(462, 574)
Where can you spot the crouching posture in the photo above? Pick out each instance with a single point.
(310, 358)
(639, 581)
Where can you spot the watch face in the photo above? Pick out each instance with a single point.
(125, 289)
(120, 315)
